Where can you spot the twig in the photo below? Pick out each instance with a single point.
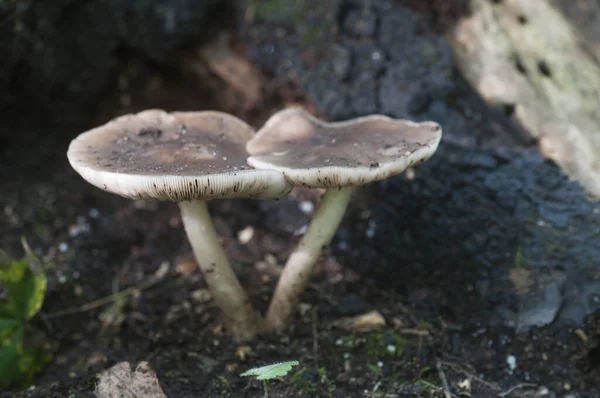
(315, 336)
(515, 388)
(459, 369)
(105, 300)
(408, 313)
(414, 332)
(428, 384)
(445, 386)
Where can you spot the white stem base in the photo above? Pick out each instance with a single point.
(298, 269)
(229, 295)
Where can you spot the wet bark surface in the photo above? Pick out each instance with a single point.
(511, 226)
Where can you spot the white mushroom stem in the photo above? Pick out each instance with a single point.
(229, 295)
(298, 270)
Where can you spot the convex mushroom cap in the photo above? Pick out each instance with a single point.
(317, 154)
(177, 156)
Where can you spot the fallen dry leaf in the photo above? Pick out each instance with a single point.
(185, 266)
(367, 322)
(243, 351)
(269, 266)
(235, 70)
(120, 382)
(581, 334)
(231, 367)
(521, 279)
(218, 330)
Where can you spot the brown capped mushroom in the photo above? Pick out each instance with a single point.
(188, 158)
(337, 156)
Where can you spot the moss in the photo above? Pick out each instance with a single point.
(378, 345)
(306, 382)
(223, 386)
(275, 10)
(518, 258)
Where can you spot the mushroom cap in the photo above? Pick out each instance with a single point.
(317, 154)
(177, 156)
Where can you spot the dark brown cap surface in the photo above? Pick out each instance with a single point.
(173, 156)
(314, 153)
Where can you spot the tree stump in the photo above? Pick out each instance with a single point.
(530, 58)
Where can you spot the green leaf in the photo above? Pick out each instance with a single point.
(12, 272)
(269, 372)
(26, 287)
(27, 296)
(8, 323)
(21, 357)
(19, 364)
(8, 327)
(10, 351)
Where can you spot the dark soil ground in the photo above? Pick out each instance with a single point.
(96, 244)
(99, 243)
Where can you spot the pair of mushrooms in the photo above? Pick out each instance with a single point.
(193, 157)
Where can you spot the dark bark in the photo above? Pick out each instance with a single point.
(508, 230)
(60, 57)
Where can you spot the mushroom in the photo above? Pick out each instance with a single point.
(188, 158)
(336, 156)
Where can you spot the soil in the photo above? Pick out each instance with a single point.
(99, 243)
(96, 244)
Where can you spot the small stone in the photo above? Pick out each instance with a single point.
(245, 235)
(306, 207)
(201, 295)
(371, 227)
(300, 231)
(511, 361)
(542, 391)
(465, 384)
(94, 213)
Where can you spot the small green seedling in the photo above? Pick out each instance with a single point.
(269, 372)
